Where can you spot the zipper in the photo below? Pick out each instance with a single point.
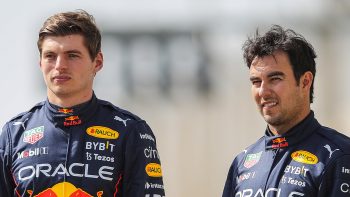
(274, 161)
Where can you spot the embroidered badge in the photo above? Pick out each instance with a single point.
(33, 135)
(252, 159)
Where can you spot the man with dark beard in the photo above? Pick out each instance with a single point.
(297, 156)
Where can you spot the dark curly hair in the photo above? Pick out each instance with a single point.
(300, 52)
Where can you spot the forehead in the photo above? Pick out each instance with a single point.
(69, 42)
(278, 61)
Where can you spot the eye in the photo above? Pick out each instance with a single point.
(49, 56)
(276, 79)
(256, 82)
(73, 55)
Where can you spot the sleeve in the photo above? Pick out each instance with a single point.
(228, 188)
(6, 182)
(336, 179)
(230, 185)
(143, 173)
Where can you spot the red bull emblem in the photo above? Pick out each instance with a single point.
(65, 111)
(72, 118)
(71, 121)
(279, 142)
(64, 189)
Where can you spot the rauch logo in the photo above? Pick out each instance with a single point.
(154, 170)
(102, 132)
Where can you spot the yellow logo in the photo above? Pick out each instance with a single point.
(303, 156)
(102, 132)
(154, 170)
(64, 189)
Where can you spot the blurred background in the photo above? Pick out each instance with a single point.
(178, 65)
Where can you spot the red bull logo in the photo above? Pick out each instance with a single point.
(71, 121)
(72, 118)
(65, 111)
(64, 189)
(279, 142)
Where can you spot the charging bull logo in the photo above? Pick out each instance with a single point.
(279, 142)
(65, 111)
(71, 121)
(64, 189)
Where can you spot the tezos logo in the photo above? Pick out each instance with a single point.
(102, 132)
(303, 156)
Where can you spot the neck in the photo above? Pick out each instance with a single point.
(67, 101)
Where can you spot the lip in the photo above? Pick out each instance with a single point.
(61, 78)
(268, 104)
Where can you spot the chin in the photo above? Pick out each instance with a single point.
(272, 120)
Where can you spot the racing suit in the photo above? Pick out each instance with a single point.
(308, 160)
(93, 149)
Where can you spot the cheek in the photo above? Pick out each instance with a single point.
(255, 94)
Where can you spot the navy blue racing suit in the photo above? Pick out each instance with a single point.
(309, 160)
(93, 149)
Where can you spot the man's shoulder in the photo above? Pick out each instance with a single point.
(24, 115)
(120, 113)
(335, 137)
(255, 148)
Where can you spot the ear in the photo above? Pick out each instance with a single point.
(40, 63)
(99, 62)
(306, 79)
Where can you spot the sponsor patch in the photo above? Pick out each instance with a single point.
(345, 170)
(151, 153)
(252, 159)
(292, 181)
(72, 121)
(279, 142)
(303, 156)
(147, 137)
(47, 170)
(65, 110)
(153, 186)
(117, 118)
(64, 189)
(102, 132)
(33, 135)
(297, 170)
(154, 170)
(100, 146)
(33, 152)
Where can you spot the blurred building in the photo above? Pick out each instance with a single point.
(179, 66)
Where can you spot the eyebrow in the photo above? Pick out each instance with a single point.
(275, 73)
(73, 51)
(272, 74)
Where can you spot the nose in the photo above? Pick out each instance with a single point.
(61, 63)
(264, 90)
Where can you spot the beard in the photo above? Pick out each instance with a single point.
(284, 118)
